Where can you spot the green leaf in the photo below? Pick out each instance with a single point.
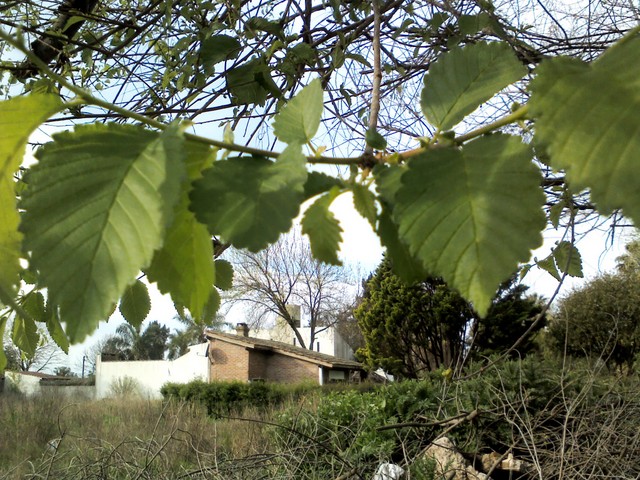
(34, 304)
(323, 229)
(18, 118)
(299, 119)
(55, 329)
(388, 181)
(364, 202)
(302, 53)
(358, 58)
(548, 264)
(318, 182)
(135, 304)
(224, 275)
(587, 115)
(555, 213)
(471, 24)
(96, 209)
(251, 201)
(208, 316)
(403, 264)
(219, 48)
(375, 140)
(183, 267)
(251, 83)
(264, 25)
(464, 78)
(568, 259)
(471, 214)
(25, 335)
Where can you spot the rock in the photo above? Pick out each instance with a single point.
(388, 471)
(450, 464)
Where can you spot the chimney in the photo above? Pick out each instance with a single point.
(242, 329)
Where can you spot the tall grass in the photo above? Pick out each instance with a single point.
(565, 421)
(54, 437)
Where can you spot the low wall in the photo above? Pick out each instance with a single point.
(30, 384)
(146, 377)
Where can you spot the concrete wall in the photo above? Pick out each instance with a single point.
(148, 376)
(328, 341)
(30, 383)
(22, 383)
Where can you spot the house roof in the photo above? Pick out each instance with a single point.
(260, 344)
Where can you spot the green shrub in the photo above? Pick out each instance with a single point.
(225, 398)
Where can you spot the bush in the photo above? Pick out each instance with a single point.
(513, 406)
(125, 387)
(225, 398)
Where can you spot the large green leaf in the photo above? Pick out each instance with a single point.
(25, 335)
(568, 259)
(19, 117)
(224, 274)
(364, 202)
(218, 49)
(96, 209)
(318, 182)
(471, 214)
(135, 304)
(183, 267)
(403, 264)
(251, 83)
(251, 201)
(41, 310)
(464, 78)
(587, 115)
(299, 119)
(323, 229)
(55, 329)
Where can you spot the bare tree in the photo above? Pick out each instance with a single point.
(286, 274)
(47, 355)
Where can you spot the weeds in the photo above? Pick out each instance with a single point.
(564, 423)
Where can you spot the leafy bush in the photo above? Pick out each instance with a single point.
(494, 410)
(224, 398)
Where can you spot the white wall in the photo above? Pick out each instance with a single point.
(17, 381)
(29, 385)
(150, 375)
(328, 341)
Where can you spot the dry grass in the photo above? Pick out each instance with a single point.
(124, 438)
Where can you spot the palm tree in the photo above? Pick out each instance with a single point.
(191, 333)
(130, 344)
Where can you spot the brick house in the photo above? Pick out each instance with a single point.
(244, 358)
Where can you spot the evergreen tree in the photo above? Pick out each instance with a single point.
(412, 329)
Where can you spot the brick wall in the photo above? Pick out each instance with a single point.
(233, 362)
(290, 370)
(258, 364)
(228, 361)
